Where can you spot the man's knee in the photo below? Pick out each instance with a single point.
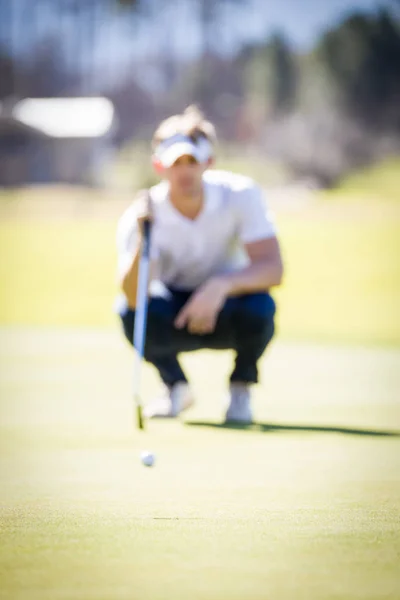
(259, 305)
(254, 314)
(160, 316)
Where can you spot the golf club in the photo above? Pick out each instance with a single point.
(141, 320)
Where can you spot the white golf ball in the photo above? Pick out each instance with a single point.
(147, 458)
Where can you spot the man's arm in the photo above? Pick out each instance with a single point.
(257, 231)
(129, 278)
(265, 269)
(201, 311)
(130, 244)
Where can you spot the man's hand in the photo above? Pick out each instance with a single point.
(144, 210)
(201, 311)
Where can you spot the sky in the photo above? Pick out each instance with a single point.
(175, 30)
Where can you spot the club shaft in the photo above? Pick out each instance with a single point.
(140, 323)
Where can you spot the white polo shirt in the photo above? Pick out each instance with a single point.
(187, 252)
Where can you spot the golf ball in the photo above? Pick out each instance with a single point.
(147, 458)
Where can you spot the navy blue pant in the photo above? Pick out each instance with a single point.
(245, 325)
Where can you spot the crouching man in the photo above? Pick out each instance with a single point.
(214, 258)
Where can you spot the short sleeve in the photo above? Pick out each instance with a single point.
(255, 219)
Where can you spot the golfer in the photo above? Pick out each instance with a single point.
(214, 258)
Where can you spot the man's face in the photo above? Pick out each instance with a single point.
(185, 175)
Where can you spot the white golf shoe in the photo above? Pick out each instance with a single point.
(239, 404)
(171, 402)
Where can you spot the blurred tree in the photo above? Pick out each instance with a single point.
(5, 23)
(129, 3)
(282, 76)
(13, 19)
(6, 74)
(45, 72)
(79, 20)
(384, 62)
(135, 110)
(137, 8)
(211, 13)
(270, 83)
(209, 16)
(6, 57)
(362, 58)
(348, 106)
(213, 82)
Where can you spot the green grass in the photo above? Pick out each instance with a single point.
(304, 505)
(342, 280)
(57, 272)
(379, 182)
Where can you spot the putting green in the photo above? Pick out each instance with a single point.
(303, 505)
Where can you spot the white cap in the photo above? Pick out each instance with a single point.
(169, 150)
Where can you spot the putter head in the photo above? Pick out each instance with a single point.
(139, 417)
